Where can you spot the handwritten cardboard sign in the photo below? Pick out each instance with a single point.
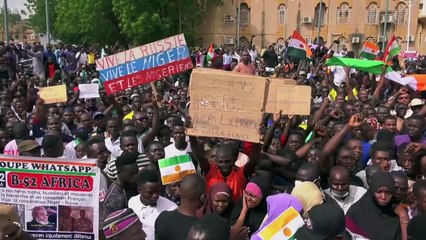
(295, 100)
(54, 94)
(144, 64)
(226, 105)
(89, 90)
(285, 95)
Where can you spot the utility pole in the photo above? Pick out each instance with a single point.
(46, 2)
(6, 23)
(238, 22)
(319, 22)
(385, 26)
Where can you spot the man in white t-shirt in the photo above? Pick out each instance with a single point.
(149, 204)
(180, 145)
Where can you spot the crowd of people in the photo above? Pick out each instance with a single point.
(353, 169)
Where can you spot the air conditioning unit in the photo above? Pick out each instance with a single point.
(307, 20)
(389, 19)
(229, 40)
(410, 38)
(355, 39)
(229, 18)
(381, 38)
(309, 41)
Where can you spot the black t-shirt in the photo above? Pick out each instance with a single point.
(172, 225)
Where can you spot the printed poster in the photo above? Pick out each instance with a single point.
(56, 198)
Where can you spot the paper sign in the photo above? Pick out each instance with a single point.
(62, 189)
(295, 100)
(144, 64)
(226, 105)
(89, 90)
(54, 94)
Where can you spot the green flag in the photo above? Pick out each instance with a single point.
(370, 66)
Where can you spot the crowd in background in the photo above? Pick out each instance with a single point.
(355, 168)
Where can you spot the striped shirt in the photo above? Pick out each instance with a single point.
(142, 162)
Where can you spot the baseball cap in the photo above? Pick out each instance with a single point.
(416, 102)
(324, 221)
(28, 145)
(97, 114)
(134, 95)
(117, 222)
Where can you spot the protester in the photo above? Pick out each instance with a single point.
(123, 224)
(176, 224)
(148, 205)
(210, 227)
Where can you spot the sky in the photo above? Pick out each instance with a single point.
(15, 4)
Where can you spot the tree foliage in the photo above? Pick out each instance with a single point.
(37, 11)
(129, 21)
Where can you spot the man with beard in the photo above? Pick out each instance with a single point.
(341, 190)
(149, 204)
(40, 220)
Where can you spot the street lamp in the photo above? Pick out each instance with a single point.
(410, 5)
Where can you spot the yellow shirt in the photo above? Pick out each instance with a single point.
(129, 116)
(333, 94)
(91, 58)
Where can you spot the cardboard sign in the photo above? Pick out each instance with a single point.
(226, 105)
(295, 100)
(274, 83)
(89, 90)
(54, 94)
(144, 64)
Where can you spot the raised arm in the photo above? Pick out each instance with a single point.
(348, 85)
(270, 133)
(254, 159)
(199, 155)
(152, 133)
(331, 146)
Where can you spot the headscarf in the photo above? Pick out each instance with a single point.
(277, 204)
(208, 207)
(308, 194)
(375, 221)
(255, 216)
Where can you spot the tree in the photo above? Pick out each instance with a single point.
(37, 15)
(146, 20)
(92, 21)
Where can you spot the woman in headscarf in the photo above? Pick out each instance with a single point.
(308, 194)
(373, 214)
(250, 210)
(219, 201)
(277, 204)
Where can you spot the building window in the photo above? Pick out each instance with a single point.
(372, 14)
(320, 13)
(244, 14)
(401, 14)
(281, 14)
(343, 14)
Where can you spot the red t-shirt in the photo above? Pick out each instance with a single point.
(236, 180)
(51, 70)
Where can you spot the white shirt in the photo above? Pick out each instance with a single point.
(355, 193)
(227, 59)
(172, 151)
(69, 150)
(148, 214)
(113, 147)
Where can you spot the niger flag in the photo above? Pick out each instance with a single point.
(298, 47)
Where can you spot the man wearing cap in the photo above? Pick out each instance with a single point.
(29, 148)
(416, 104)
(123, 224)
